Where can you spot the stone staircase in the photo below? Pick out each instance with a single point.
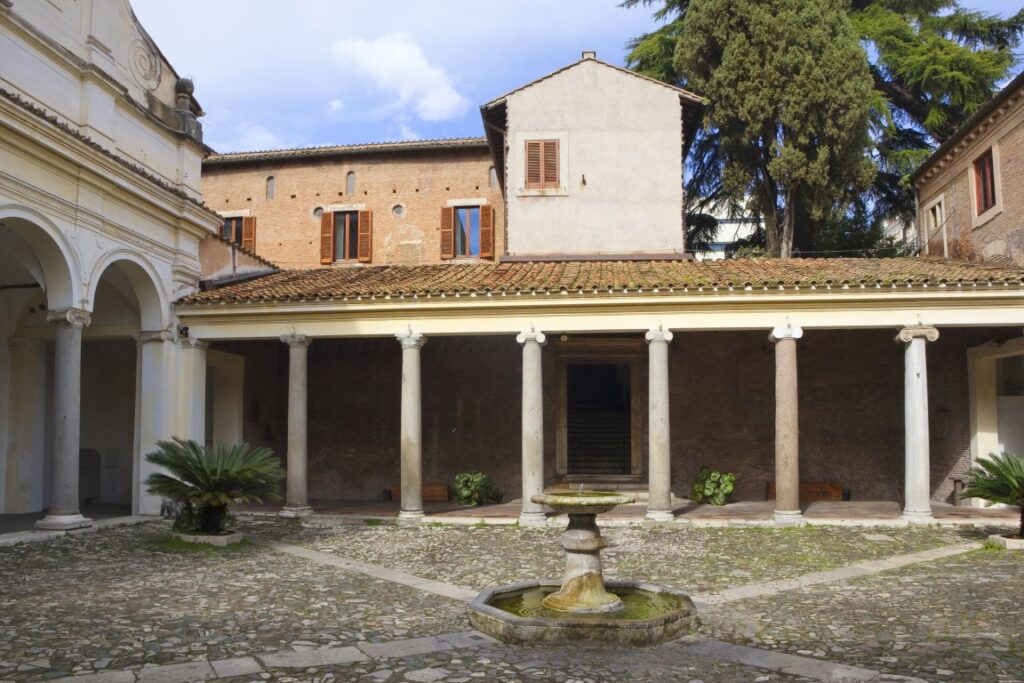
(599, 442)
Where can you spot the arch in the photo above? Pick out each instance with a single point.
(350, 183)
(154, 303)
(57, 262)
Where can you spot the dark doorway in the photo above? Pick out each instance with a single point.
(599, 414)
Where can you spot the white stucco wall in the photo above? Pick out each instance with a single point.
(109, 103)
(622, 165)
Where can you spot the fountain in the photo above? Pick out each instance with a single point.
(583, 607)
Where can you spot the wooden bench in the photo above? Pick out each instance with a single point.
(812, 492)
(432, 493)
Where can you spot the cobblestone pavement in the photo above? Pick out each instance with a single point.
(696, 560)
(957, 619)
(124, 598)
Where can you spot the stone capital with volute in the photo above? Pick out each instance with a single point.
(147, 336)
(296, 339)
(787, 331)
(912, 332)
(658, 335)
(70, 317)
(411, 340)
(531, 335)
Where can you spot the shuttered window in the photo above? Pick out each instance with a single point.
(985, 182)
(346, 236)
(542, 172)
(467, 231)
(231, 230)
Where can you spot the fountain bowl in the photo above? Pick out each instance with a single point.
(584, 502)
(675, 616)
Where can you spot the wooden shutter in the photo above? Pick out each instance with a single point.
(550, 168)
(364, 247)
(534, 172)
(447, 232)
(249, 233)
(327, 237)
(487, 231)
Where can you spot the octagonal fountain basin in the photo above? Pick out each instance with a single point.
(649, 615)
(583, 608)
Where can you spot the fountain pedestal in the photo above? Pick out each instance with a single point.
(582, 609)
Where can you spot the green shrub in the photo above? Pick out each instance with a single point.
(474, 488)
(712, 486)
(998, 479)
(204, 481)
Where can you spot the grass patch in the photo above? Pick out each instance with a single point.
(371, 521)
(990, 546)
(177, 546)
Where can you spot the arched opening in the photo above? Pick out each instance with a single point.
(350, 183)
(38, 275)
(270, 187)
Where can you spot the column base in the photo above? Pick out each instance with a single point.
(410, 517)
(62, 522)
(918, 516)
(788, 518)
(659, 515)
(295, 512)
(534, 519)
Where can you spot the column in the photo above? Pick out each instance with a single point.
(532, 514)
(659, 464)
(787, 425)
(63, 512)
(296, 503)
(193, 394)
(411, 427)
(155, 409)
(917, 473)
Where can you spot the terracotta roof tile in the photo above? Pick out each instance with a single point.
(342, 150)
(602, 277)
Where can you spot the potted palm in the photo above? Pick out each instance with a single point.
(1000, 479)
(204, 481)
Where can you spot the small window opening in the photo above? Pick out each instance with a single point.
(985, 182)
(270, 187)
(492, 177)
(346, 235)
(350, 182)
(232, 230)
(467, 231)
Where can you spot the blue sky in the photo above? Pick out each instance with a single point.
(317, 72)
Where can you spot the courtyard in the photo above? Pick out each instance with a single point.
(370, 600)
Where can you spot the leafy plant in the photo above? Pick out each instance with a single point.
(206, 480)
(474, 488)
(998, 479)
(712, 486)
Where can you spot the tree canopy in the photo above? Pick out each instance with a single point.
(932, 64)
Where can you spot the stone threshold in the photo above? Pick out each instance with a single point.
(33, 536)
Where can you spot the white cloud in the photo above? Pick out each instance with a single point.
(335, 106)
(398, 66)
(408, 133)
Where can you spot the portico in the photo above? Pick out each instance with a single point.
(520, 337)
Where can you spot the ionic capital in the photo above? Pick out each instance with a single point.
(658, 335)
(70, 317)
(411, 340)
(190, 343)
(787, 331)
(531, 335)
(911, 332)
(147, 336)
(296, 340)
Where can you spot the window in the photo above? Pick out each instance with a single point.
(467, 231)
(492, 177)
(542, 165)
(935, 225)
(346, 235)
(232, 230)
(984, 182)
(350, 183)
(240, 230)
(270, 187)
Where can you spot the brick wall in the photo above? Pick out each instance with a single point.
(1003, 234)
(288, 233)
(722, 403)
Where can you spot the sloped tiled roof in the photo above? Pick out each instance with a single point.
(597, 277)
(341, 150)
